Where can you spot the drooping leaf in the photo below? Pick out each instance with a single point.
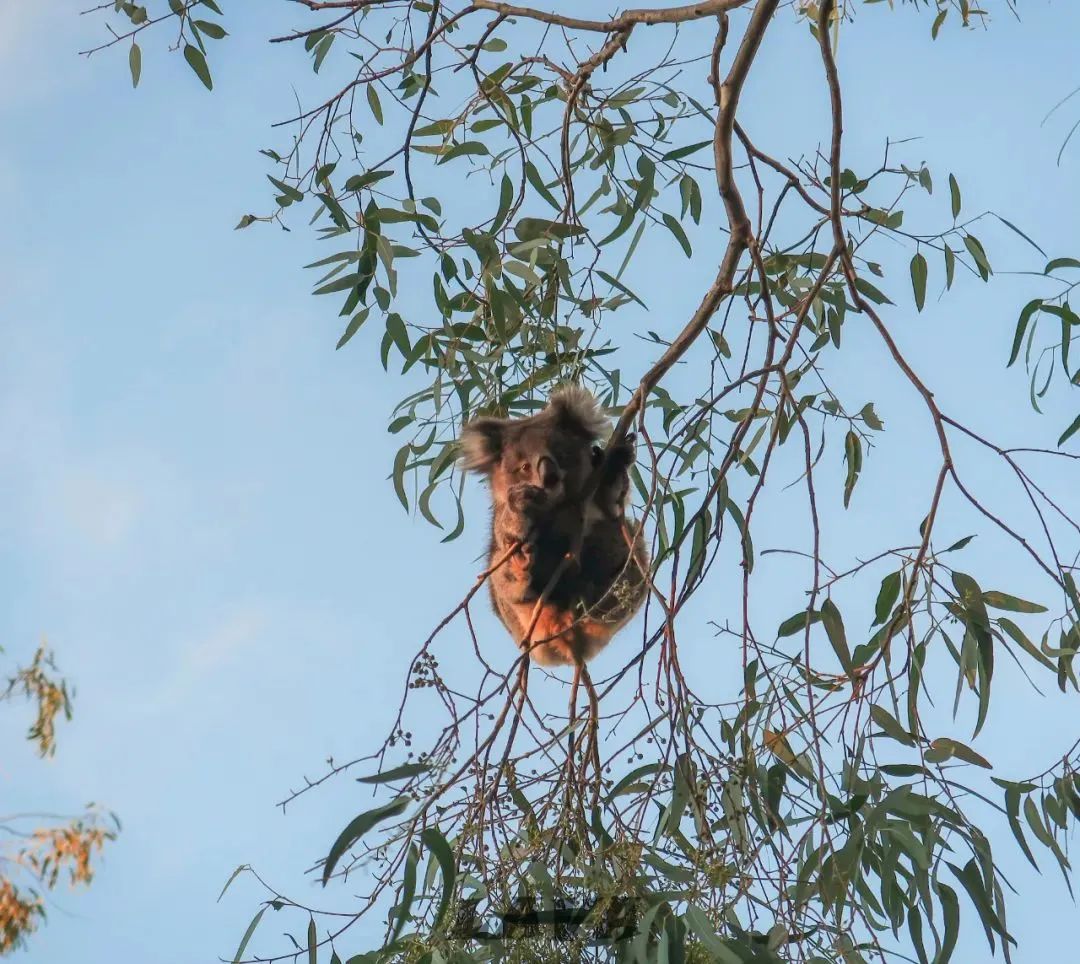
(135, 63)
(1070, 431)
(374, 104)
(834, 628)
(197, 62)
(918, 279)
(238, 956)
(435, 842)
(886, 597)
(356, 829)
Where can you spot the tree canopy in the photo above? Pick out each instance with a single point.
(491, 182)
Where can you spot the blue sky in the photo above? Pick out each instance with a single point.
(197, 512)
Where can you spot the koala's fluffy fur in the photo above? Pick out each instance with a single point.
(537, 468)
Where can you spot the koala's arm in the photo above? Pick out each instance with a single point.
(544, 533)
(614, 485)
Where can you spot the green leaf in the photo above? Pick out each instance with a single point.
(853, 457)
(247, 936)
(506, 198)
(236, 873)
(834, 628)
(312, 942)
(197, 62)
(950, 266)
(1031, 812)
(439, 127)
(1024, 643)
(953, 748)
(344, 283)
(918, 279)
(680, 235)
(537, 182)
(959, 544)
(935, 27)
(358, 181)
(865, 288)
(890, 725)
(523, 271)
(954, 192)
(680, 152)
(1060, 263)
(356, 828)
(408, 892)
(886, 597)
(287, 189)
(950, 905)
(437, 844)
(1070, 431)
(353, 327)
(632, 778)
(1001, 600)
(615, 283)
(402, 457)
(135, 64)
(321, 50)
(870, 417)
(717, 950)
(374, 104)
(529, 229)
(1012, 227)
(465, 148)
(971, 598)
(212, 30)
(975, 249)
(403, 772)
(972, 880)
(791, 625)
(1021, 327)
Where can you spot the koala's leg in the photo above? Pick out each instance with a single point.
(614, 573)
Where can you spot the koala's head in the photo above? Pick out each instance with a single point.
(552, 450)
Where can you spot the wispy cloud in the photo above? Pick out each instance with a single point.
(203, 657)
(37, 47)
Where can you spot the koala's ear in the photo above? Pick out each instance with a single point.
(575, 408)
(482, 444)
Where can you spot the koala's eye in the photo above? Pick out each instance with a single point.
(524, 467)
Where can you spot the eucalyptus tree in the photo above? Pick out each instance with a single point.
(495, 185)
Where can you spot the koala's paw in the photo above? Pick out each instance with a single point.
(621, 457)
(624, 454)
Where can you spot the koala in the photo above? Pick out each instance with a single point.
(537, 469)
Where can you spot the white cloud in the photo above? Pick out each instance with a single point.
(39, 44)
(104, 512)
(223, 643)
(202, 658)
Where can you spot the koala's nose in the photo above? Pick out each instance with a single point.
(547, 471)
